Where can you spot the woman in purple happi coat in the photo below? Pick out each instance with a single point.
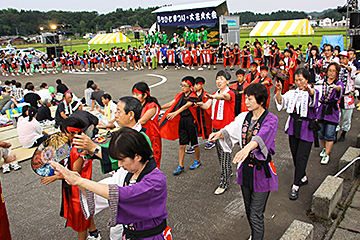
(255, 132)
(140, 204)
(301, 125)
(328, 112)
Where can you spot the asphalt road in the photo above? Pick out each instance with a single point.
(194, 211)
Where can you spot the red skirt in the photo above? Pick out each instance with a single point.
(124, 59)
(44, 66)
(53, 64)
(4, 226)
(113, 59)
(13, 65)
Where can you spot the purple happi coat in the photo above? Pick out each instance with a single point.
(141, 204)
(330, 95)
(313, 102)
(265, 138)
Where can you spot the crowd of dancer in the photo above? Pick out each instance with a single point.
(319, 99)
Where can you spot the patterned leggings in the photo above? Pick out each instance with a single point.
(225, 164)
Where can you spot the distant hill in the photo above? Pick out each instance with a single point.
(317, 14)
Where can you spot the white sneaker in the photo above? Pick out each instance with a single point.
(7, 75)
(87, 70)
(131, 68)
(15, 166)
(62, 71)
(114, 69)
(325, 159)
(93, 69)
(31, 74)
(125, 69)
(94, 238)
(47, 72)
(83, 70)
(142, 68)
(192, 68)
(219, 191)
(119, 68)
(106, 70)
(26, 74)
(149, 68)
(323, 152)
(43, 73)
(6, 168)
(200, 69)
(183, 66)
(188, 68)
(204, 66)
(13, 74)
(17, 74)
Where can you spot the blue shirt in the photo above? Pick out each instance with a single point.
(163, 51)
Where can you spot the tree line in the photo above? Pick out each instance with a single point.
(26, 22)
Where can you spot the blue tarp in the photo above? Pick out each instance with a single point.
(334, 40)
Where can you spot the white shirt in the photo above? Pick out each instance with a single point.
(44, 94)
(28, 132)
(87, 96)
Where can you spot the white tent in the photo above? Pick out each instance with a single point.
(295, 27)
(109, 38)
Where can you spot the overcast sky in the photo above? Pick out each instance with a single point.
(257, 6)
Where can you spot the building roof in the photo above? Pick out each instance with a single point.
(187, 6)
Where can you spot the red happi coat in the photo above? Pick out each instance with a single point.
(240, 105)
(71, 207)
(169, 129)
(268, 86)
(171, 56)
(206, 56)
(204, 118)
(248, 77)
(236, 54)
(186, 57)
(153, 131)
(245, 59)
(227, 59)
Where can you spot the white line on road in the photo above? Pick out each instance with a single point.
(87, 73)
(163, 80)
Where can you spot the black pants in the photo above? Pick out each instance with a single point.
(255, 204)
(300, 151)
(225, 164)
(266, 60)
(40, 140)
(164, 62)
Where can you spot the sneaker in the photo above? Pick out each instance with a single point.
(219, 191)
(209, 67)
(6, 168)
(188, 68)
(209, 146)
(98, 237)
(200, 69)
(15, 166)
(325, 159)
(190, 150)
(149, 68)
(192, 68)
(214, 67)
(294, 194)
(323, 152)
(178, 170)
(196, 164)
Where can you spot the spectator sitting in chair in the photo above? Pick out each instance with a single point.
(6, 101)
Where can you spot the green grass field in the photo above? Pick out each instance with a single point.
(81, 44)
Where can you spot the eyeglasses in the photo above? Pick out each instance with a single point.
(183, 86)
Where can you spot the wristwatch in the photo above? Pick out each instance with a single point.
(96, 150)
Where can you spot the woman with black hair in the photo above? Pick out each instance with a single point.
(313, 64)
(223, 104)
(149, 117)
(140, 203)
(71, 209)
(87, 93)
(255, 131)
(29, 130)
(301, 104)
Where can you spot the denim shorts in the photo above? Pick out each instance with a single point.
(327, 132)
